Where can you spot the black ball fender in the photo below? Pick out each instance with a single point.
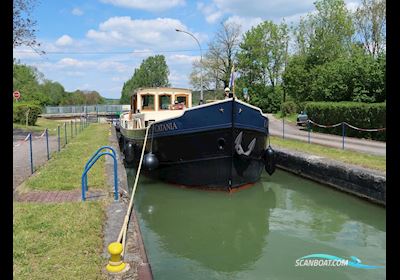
(269, 160)
(129, 151)
(150, 161)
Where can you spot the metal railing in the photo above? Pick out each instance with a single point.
(78, 125)
(85, 109)
(342, 124)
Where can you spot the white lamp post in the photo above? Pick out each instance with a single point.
(201, 62)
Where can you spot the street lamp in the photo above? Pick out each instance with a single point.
(201, 62)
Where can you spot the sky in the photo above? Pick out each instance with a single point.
(97, 44)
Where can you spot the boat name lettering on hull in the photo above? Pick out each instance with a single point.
(165, 127)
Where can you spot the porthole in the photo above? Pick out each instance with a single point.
(221, 143)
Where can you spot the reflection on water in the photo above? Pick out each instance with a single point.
(257, 233)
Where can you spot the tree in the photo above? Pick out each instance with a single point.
(262, 54)
(211, 79)
(152, 72)
(74, 98)
(25, 80)
(24, 32)
(370, 22)
(219, 59)
(327, 34)
(297, 79)
(36, 89)
(358, 78)
(303, 33)
(54, 91)
(261, 60)
(328, 65)
(368, 77)
(93, 97)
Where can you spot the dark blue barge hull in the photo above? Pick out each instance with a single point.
(218, 145)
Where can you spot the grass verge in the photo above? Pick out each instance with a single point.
(63, 171)
(58, 241)
(43, 123)
(361, 159)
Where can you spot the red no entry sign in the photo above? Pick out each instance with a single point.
(16, 94)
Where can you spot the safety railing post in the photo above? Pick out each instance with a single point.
(65, 133)
(343, 134)
(72, 131)
(58, 136)
(115, 179)
(47, 144)
(31, 152)
(309, 131)
(84, 188)
(75, 127)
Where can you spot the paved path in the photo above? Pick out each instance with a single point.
(135, 254)
(59, 196)
(294, 132)
(21, 155)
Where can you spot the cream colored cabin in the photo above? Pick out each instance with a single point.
(156, 104)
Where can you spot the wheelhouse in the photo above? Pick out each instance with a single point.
(155, 104)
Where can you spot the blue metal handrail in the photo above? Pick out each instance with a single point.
(93, 156)
(89, 165)
(98, 150)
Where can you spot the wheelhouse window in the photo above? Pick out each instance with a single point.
(182, 99)
(148, 102)
(164, 102)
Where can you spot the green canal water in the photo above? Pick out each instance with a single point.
(259, 232)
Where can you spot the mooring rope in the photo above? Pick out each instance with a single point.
(122, 234)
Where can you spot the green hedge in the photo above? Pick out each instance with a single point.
(20, 110)
(361, 115)
(289, 107)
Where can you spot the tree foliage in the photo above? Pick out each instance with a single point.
(359, 78)
(261, 60)
(34, 88)
(220, 57)
(335, 55)
(24, 32)
(24, 111)
(326, 34)
(211, 75)
(370, 22)
(330, 63)
(152, 72)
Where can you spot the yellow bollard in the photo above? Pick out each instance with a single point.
(115, 263)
